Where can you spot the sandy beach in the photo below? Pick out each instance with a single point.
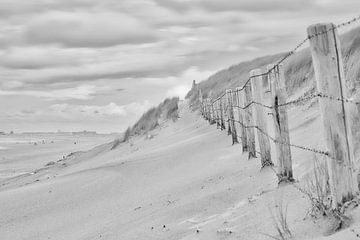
(185, 182)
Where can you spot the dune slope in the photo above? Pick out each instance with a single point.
(187, 182)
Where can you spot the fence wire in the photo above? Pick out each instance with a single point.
(293, 51)
(221, 112)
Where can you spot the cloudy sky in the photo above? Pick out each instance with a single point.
(97, 65)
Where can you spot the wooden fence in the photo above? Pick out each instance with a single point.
(244, 107)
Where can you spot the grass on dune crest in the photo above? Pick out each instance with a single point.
(150, 119)
(232, 77)
(299, 72)
(167, 110)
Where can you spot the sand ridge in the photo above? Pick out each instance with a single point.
(187, 182)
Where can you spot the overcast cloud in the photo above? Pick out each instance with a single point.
(97, 65)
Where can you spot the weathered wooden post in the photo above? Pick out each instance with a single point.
(208, 110)
(240, 102)
(213, 113)
(264, 141)
(281, 126)
(227, 116)
(330, 80)
(249, 121)
(229, 95)
(268, 83)
(201, 101)
(217, 113)
(205, 110)
(222, 121)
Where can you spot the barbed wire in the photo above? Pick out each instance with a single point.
(309, 149)
(284, 143)
(302, 98)
(297, 47)
(273, 139)
(253, 102)
(306, 97)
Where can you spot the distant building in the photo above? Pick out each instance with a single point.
(85, 133)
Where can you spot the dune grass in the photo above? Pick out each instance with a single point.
(231, 78)
(298, 70)
(167, 110)
(279, 220)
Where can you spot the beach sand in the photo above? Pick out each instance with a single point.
(187, 181)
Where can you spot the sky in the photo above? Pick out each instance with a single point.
(75, 65)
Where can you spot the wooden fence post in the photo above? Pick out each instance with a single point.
(227, 115)
(208, 110)
(213, 113)
(281, 126)
(205, 109)
(264, 141)
(201, 102)
(222, 123)
(240, 103)
(249, 122)
(330, 80)
(229, 95)
(217, 113)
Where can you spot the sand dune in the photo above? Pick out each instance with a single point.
(188, 182)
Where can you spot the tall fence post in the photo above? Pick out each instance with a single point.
(213, 113)
(222, 123)
(229, 95)
(264, 141)
(240, 104)
(249, 121)
(330, 80)
(276, 79)
(217, 113)
(205, 109)
(208, 109)
(227, 115)
(201, 102)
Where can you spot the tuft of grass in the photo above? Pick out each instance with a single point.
(318, 188)
(170, 109)
(127, 135)
(116, 143)
(125, 138)
(279, 219)
(318, 192)
(167, 110)
(147, 122)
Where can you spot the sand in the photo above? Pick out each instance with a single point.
(187, 181)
